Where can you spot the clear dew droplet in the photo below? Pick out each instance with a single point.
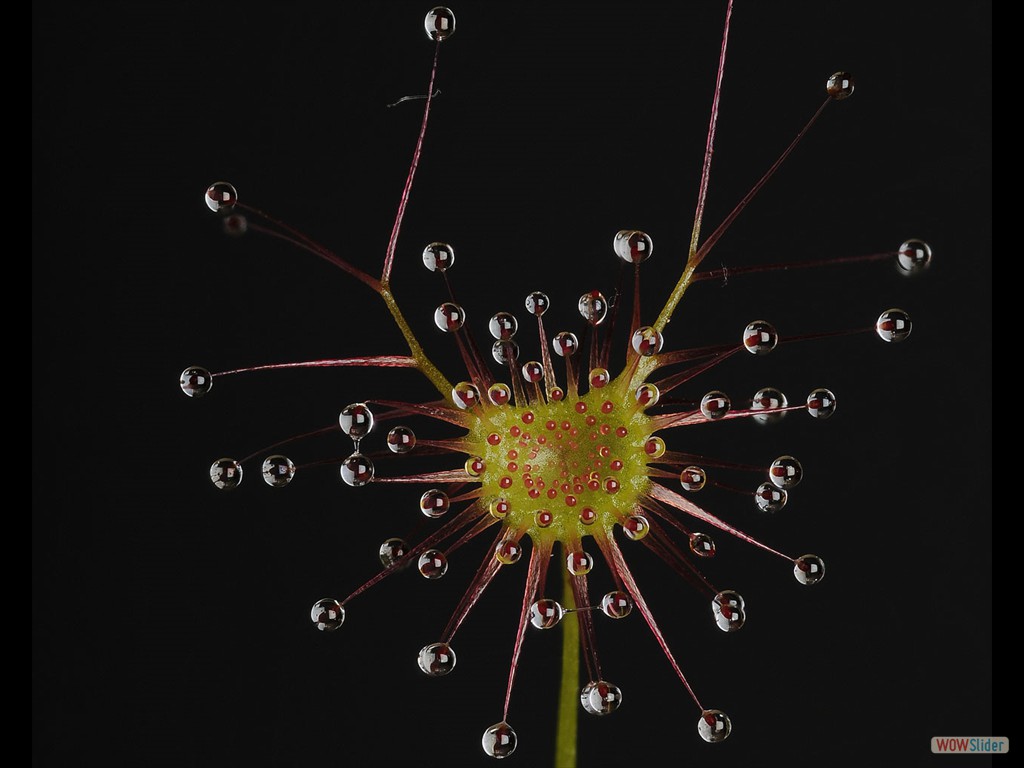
(475, 466)
(654, 447)
(565, 344)
(434, 503)
(221, 197)
(449, 317)
(692, 479)
(914, 256)
(465, 395)
(760, 337)
(436, 659)
(821, 403)
(593, 306)
(499, 741)
(357, 470)
(438, 257)
(392, 550)
(786, 472)
(715, 405)
(632, 245)
(195, 381)
(433, 564)
(439, 23)
(537, 303)
(508, 552)
(499, 508)
(226, 474)
(729, 610)
(616, 605)
(504, 352)
(770, 498)
(769, 398)
(702, 545)
(499, 394)
(647, 342)
(533, 371)
(546, 613)
(636, 527)
(327, 614)
(278, 471)
(893, 325)
(599, 697)
(356, 420)
(579, 563)
(714, 726)
(840, 86)
(599, 377)
(647, 395)
(809, 569)
(503, 326)
(401, 440)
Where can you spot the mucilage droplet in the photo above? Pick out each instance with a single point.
(327, 614)
(226, 474)
(278, 471)
(436, 659)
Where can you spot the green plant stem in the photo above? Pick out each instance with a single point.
(568, 697)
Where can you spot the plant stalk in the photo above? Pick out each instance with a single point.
(569, 695)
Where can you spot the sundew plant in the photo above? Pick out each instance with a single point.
(559, 438)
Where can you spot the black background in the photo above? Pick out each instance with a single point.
(170, 621)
